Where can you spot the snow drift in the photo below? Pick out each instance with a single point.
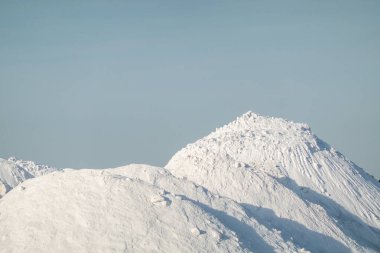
(257, 184)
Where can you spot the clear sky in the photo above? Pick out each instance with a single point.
(107, 83)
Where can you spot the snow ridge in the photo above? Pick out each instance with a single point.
(257, 184)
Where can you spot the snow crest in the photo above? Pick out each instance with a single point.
(257, 184)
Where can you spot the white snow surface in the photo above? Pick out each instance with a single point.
(289, 179)
(14, 171)
(258, 184)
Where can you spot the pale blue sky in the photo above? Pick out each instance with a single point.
(107, 83)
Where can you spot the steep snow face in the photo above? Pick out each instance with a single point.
(277, 165)
(13, 172)
(137, 208)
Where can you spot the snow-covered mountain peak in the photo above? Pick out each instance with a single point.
(32, 167)
(260, 141)
(11, 175)
(254, 124)
(249, 115)
(258, 160)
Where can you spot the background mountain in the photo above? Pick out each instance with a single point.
(14, 171)
(258, 184)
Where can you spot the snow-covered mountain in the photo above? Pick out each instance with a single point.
(280, 171)
(257, 184)
(14, 171)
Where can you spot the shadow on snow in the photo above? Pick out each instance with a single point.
(248, 237)
(351, 225)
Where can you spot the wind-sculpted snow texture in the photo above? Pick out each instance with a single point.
(13, 172)
(289, 180)
(255, 185)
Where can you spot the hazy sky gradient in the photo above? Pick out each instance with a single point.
(107, 83)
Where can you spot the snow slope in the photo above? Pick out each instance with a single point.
(288, 179)
(137, 208)
(13, 172)
(257, 184)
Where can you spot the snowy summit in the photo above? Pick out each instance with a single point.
(257, 184)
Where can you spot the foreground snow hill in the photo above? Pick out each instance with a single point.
(137, 208)
(257, 184)
(14, 171)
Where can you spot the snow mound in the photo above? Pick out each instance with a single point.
(13, 172)
(289, 179)
(136, 208)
